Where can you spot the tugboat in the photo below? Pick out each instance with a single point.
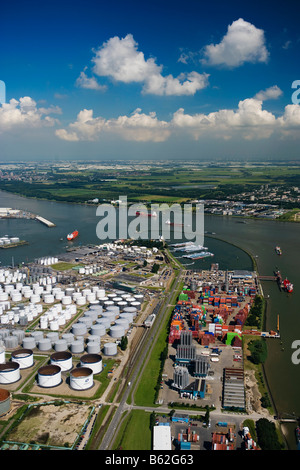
(73, 235)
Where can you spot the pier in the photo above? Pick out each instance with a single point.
(44, 221)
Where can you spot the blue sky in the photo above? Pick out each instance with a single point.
(149, 80)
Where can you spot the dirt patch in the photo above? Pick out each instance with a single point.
(51, 425)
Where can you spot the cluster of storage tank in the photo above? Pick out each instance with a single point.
(48, 261)
(113, 248)
(9, 240)
(50, 375)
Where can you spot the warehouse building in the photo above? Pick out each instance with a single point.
(233, 389)
(162, 438)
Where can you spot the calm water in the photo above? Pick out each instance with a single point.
(258, 237)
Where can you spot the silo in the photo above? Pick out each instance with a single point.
(79, 329)
(128, 316)
(110, 349)
(93, 347)
(63, 360)
(92, 314)
(124, 322)
(81, 301)
(68, 337)
(52, 336)
(29, 342)
(49, 376)
(132, 310)
(60, 345)
(49, 299)
(11, 342)
(136, 304)
(9, 373)
(81, 378)
(109, 315)
(87, 321)
(93, 361)
(5, 402)
(77, 346)
(24, 357)
(122, 305)
(103, 321)
(117, 331)
(44, 344)
(98, 329)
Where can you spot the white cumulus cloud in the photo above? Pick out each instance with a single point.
(271, 93)
(242, 43)
(120, 60)
(25, 113)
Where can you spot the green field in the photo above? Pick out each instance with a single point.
(161, 183)
(134, 432)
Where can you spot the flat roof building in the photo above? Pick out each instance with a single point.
(162, 438)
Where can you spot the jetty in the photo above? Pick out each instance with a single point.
(44, 221)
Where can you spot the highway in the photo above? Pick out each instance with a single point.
(137, 364)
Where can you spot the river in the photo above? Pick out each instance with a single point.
(258, 237)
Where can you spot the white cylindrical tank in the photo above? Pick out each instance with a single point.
(79, 329)
(98, 329)
(117, 331)
(77, 346)
(60, 345)
(93, 361)
(93, 347)
(110, 349)
(49, 376)
(29, 342)
(23, 357)
(9, 373)
(44, 344)
(63, 360)
(81, 378)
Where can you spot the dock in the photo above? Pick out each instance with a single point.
(44, 221)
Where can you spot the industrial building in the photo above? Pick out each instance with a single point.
(233, 389)
(162, 439)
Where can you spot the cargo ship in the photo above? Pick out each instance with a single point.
(200, 255)
(278, 250)
(73, 235)
(288, 286)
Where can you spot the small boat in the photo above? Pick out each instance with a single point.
(278, 250)
(73, 235)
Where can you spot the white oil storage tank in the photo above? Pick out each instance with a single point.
(9, 373)
(110, 349)
(117, 331)
(24, 357)
(62, 359)
(93, 361)
(49, 376)
(81, 378)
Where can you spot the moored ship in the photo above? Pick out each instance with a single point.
(200, 255)
(288, 286)
(73, 235)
